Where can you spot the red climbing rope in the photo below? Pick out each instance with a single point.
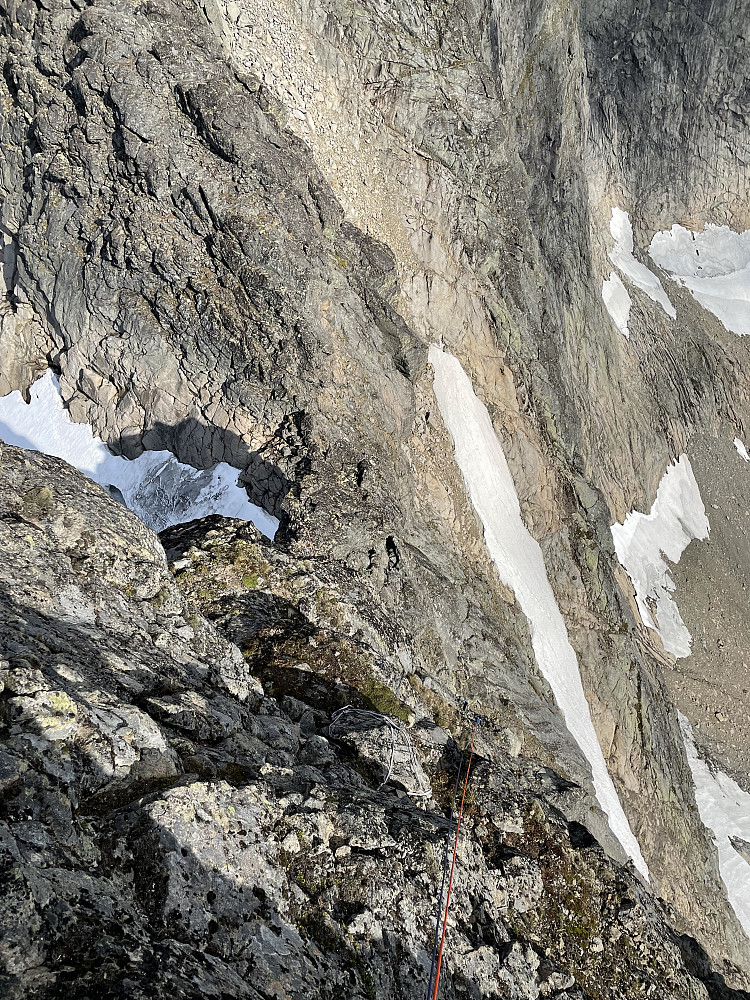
(444, 878)
(453, 864)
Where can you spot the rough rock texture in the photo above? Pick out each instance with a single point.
(711, 687)
(234, 228)
(169, 828)
(687, 68)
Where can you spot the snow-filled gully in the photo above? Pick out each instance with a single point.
(520, 565)
(155, 486)
(614, 293)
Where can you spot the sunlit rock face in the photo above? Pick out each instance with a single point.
(235, 232)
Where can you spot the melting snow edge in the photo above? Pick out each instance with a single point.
(643, 540)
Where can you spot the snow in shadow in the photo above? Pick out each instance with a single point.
(155, 486)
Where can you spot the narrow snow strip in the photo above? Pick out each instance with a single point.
(714, 266)
(623, 259)
(520, 565)
(617, 301)
(741, 449)
(677, 517)
(155, 486)
(725, 810)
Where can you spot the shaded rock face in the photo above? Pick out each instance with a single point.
(686, 68)
(171, 826)
(234, 230)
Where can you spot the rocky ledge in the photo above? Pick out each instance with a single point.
(179, 819)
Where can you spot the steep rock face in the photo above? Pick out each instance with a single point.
(481, 121)
(326, 366)
(170, 827)
(685, 68)
(182, 187)
(317, 390)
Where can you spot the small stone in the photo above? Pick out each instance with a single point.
(290, 844)
(40, 497)
(515, 742)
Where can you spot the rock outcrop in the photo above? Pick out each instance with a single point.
(234, 229)
(171, 826)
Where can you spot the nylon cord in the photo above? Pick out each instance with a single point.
(445, 876)
(453, 864)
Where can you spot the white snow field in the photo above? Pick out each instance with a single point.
(714, 266)
(520, 565)
(155, 486)
(618, 303)
(725, 810)
(677, 517)
(741, 449)
(623, 259)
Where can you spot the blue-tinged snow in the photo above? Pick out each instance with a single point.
(617, 301)
(155, 486)
(520, 565)
(623, 259)
(741, 449)
(642, 542)
(725, 810)
(714, 265)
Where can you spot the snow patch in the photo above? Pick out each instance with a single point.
(725, 810)
(714, 266)
(644, 540)
(520, 565)
(155, 486)
(623, 259)
(617, 301)
(741, 449)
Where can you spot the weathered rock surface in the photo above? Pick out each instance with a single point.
(711, 687)
(171, 828)
(234, 229)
